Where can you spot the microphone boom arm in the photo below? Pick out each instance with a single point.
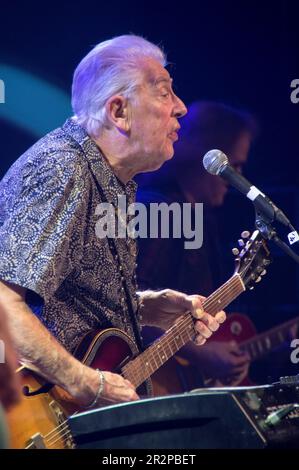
(269, 233)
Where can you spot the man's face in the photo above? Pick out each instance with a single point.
(155, 111)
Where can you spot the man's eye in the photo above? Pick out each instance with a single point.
(165, 95)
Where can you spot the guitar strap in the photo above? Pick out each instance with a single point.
(114, 252)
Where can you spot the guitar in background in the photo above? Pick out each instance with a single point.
(181, 375)
(239, 328)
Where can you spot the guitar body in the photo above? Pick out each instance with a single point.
(43, 412)
(35, 416)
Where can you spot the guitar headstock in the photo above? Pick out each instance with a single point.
(252, 258)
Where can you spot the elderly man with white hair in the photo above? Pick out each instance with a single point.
(58, 279)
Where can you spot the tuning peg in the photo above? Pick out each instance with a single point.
(245, 234)
(258, 279)
(251, 288)
(241, 243)
(263, 272)
(266, 262)
(235, 251)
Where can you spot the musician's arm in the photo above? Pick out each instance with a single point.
(38, 347)
(9, 384)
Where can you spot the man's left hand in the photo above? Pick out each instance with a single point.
(164, 307)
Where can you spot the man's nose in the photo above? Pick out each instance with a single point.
(180, 109)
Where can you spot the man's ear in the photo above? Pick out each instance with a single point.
(117, 111)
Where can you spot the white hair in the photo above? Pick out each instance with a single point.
(109, 68)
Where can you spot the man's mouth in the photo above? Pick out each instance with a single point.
(173, 136)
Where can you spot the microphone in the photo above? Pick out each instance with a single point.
(216, 163)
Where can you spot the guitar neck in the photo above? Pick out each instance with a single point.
(141, 368)
(264, 343)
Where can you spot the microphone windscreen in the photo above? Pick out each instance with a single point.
(214, 161)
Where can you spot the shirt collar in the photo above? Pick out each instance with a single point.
(110, 184)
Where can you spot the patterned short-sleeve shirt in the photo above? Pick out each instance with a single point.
(48, 241)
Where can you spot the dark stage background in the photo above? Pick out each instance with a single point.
(241, 53)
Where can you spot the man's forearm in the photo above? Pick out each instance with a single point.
(145, 300)
(38, 347)
(35, 345)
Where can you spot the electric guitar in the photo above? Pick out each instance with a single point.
(40, 420)
(239, 327)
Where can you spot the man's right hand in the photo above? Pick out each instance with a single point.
(116, 389)
(52, 360)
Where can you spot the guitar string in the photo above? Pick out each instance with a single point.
(181, 324)
(62, 437)
(171, 342)
(153, 355)
(181, 329)
(64, 427)
(64, 433)
(57, 431)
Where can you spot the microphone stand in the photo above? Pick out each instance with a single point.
(263, 224)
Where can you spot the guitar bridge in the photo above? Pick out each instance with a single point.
(36, 442)
(61, 421)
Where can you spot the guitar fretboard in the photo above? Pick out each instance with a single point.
(263, 343)
(141, 368)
